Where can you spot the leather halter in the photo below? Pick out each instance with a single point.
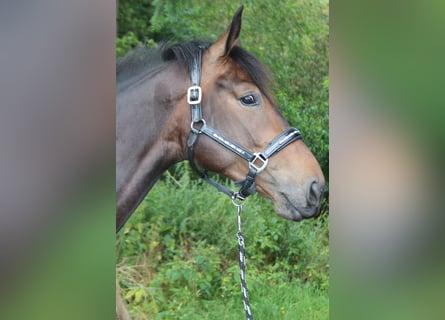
(257, 161)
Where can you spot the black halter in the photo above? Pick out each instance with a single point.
(257, 161)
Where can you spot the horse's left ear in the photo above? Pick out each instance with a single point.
(230, 38)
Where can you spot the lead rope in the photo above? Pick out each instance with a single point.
(257, 161)
(242, 260)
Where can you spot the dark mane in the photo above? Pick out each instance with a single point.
(141, 61)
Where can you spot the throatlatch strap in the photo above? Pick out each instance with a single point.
(203, 174)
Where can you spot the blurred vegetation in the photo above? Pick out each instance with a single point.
(177, 258)
(177, 255)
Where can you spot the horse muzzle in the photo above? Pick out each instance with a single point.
(297, 204)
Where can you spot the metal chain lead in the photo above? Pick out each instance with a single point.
(242, 262)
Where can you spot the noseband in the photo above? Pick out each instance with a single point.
(257, 160)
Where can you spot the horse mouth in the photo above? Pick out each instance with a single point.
(290, 210)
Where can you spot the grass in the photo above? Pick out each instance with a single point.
(177, 257)
(270, 299)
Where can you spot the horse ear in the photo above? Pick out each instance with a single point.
(230, 38)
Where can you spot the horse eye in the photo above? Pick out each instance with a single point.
(250, 100)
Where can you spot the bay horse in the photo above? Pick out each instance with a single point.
(167, 97)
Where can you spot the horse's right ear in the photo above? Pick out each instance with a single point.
(229, 39)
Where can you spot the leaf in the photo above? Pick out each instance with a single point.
(138, 295)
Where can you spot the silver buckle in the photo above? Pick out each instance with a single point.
(259, 156)
(191, 100)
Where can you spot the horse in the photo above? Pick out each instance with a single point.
(209, 103)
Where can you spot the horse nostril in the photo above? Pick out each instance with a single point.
(314, 193)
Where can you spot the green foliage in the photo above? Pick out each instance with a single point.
(176, 257)
(126, 43)
(186, 20)
(133, 25)
(134, 16)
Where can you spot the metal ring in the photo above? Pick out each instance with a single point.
(261, 157)
(235, 197)
(195, 130)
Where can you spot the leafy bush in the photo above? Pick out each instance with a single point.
(175, 253)
(134, 16)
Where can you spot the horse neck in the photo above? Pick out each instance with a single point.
(150, 135)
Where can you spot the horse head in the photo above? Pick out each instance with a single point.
(153, 125)
(237, 102)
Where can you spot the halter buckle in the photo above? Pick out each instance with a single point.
(259, 157)
(194, 95)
